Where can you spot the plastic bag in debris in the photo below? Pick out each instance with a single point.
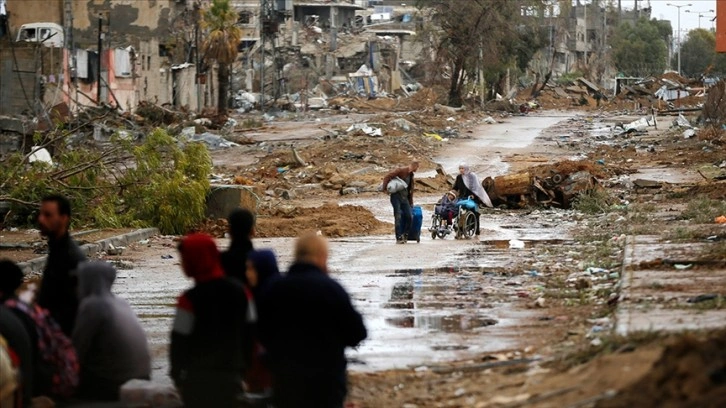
(363, 127)
(213, 141)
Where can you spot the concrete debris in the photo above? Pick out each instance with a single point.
(553, 185)
(213, 141)
(681, 121)
(689, 133)
(640, 125)
(403, 124)
(489, 120)
(365, 128)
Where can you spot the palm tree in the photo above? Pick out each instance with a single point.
(221, 44)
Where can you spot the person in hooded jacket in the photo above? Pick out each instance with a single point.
(467, 185)
(241, 229)
(262, 272)
(211, 341)
(108, 337)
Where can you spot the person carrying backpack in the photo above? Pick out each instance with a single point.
(54, 361)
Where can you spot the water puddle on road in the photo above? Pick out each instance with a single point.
(506, 243)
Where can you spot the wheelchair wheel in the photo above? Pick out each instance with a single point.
(469, 225)
(435, 225)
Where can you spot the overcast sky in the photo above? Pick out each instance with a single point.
(689, 21)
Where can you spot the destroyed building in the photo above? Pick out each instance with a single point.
(147, 53)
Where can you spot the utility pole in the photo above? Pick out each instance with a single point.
(197, 63)
(679, 30)
(100, 56)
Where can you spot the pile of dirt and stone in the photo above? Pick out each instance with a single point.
(690, 373)
(330, 219)
(664, 92)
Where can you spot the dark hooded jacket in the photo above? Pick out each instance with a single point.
(234, 259)
(108, 337)
(58, 291)
(211, 337)
(306, 322)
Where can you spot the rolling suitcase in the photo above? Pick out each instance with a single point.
(415, 232)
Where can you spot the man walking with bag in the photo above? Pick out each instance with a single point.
(399, 184)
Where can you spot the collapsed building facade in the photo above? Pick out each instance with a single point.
(79, 53)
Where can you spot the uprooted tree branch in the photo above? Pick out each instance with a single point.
(159, 182)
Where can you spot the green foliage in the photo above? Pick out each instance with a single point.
(568, 78)
(641, 49)
(595, 201)
(698, 54)
(157, 183)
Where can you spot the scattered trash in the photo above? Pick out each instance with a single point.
(516, 244)
(596, 342)
(203, 121)
(365, 128)
(720, 219)
(640, 125)
(114, 251)
(595, 271)
(681, 121)
(540, 302)
(167, 257)
(689, 133)
(435, 136)
(40, 154)
(403, 124)
(213, 141)
(534, 274)
(681, 267)
(490, 120)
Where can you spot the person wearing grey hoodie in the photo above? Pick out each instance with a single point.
(108, 337)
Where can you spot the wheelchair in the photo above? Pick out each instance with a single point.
(463, 223)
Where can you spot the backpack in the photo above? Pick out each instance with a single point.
(54, 348)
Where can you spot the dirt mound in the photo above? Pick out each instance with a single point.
(690, 373)
(423, 99)
(672, 76)
(714, 191)
(332, 220)
(567, 167)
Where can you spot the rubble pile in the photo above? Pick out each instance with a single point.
(666, 92)
(691, 372)
(554, 185)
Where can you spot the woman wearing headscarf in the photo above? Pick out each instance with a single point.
(108, 337)
(211, 340)
(467, 185)
(262, 271)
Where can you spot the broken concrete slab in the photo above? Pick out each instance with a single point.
(641, 183)
(223, 199)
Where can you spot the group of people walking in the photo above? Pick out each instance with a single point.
(243, 328)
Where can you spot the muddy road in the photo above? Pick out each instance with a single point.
(423, 303)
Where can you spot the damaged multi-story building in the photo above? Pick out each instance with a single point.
(120, 52)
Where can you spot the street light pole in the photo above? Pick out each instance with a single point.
(700, 14)
(679, 31)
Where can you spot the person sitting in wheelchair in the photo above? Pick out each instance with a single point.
(446, 207)
(467, 186)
